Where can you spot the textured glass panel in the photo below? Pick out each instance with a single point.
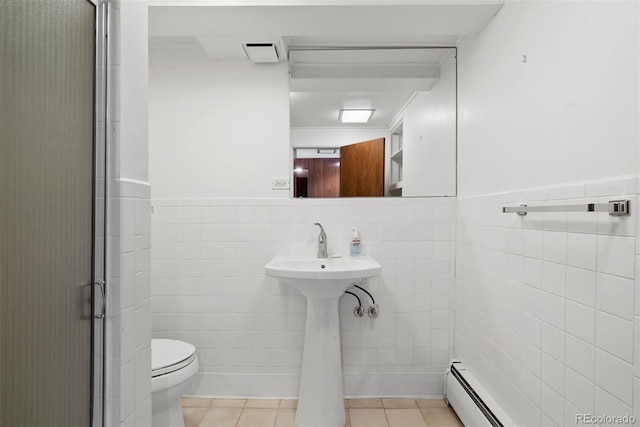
(46, 158)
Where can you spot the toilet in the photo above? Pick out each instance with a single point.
(173, 365)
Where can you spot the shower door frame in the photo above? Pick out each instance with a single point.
(100, 210)
(53, 212)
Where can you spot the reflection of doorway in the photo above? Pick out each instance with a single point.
(300, 180)
(316, 177)
(355, 170)
(302, 186)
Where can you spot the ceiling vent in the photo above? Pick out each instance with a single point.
(261, 52)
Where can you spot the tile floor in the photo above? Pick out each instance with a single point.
(200, 412)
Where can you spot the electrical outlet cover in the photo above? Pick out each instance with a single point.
(281, 183)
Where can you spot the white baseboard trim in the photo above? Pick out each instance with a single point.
(395, 384)
(285, 386)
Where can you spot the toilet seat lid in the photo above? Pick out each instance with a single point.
(167, 353)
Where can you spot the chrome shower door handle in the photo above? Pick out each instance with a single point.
(102, 313)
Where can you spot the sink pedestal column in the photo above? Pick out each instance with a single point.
(321, 397)
(323, 282)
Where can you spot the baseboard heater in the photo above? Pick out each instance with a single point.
(470, 400)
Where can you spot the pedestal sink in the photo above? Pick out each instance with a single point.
(322, 281)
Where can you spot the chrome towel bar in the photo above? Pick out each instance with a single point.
(614, 208)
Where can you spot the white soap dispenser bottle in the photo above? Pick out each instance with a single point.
(356, 244)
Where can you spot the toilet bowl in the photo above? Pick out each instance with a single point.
(173, 365)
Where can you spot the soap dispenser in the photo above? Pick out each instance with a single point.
(356, 244)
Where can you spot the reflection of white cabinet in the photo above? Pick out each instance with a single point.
(422, 154)
(430, 139)
(395, 181)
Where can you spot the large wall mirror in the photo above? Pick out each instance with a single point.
(373, 122)
(395, 58)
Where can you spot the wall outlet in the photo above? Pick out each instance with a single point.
(280, 183)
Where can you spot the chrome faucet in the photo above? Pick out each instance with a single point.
(322, 242)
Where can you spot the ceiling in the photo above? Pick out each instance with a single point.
(324, 81)
(321, 87)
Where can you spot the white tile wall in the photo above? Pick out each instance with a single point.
(129, 305)
(128, 325)
(134, 302)
(209, 287)
(544, 303)
(563, 283)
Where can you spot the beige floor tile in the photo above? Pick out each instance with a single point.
(263, 403)
(348, 423)
(431, 403)
(405, 418)
(192, 416)
(220, 417)
(440, 417)
(258, 418)
(195, 401)
(289, 403)
(399, 403)
(368, 418)
(228, 403)
(286, 418)
(364, 403)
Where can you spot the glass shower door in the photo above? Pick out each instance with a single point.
(49, 206)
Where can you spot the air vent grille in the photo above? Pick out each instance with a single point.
(261, 52)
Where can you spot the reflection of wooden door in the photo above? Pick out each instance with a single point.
(316, 177)
(362, 169)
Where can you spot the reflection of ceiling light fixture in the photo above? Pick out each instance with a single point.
(355, 116)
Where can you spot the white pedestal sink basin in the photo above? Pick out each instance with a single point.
(322, 281)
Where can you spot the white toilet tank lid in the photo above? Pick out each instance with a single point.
(165, 353)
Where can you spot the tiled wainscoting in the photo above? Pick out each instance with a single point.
(545, 302)
(209, 288)
(129, 305)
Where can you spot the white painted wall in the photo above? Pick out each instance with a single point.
(216, 129)
(133, 87)
(543, 312)
(570, 113)
(429, 138)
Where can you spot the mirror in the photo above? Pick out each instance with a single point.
(406, 148)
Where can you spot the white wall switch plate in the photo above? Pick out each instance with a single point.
(280, 183)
